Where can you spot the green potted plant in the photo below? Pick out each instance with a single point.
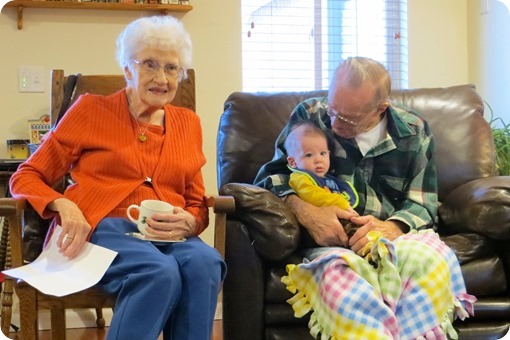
(501, 134)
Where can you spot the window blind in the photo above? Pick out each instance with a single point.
(295, 45)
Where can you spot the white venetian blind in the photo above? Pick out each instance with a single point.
(294, 45)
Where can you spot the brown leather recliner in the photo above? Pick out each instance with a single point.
(263, 234)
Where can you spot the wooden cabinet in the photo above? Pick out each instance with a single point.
(163, 8)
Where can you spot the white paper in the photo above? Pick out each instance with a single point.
(54, 274)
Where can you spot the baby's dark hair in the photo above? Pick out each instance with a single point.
(293, 125)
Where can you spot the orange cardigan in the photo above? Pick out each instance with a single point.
(97, 144)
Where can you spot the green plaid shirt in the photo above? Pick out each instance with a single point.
(396, 180)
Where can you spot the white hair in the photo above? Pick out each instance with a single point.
(161, 32)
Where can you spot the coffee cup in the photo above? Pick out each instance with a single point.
(146, 209)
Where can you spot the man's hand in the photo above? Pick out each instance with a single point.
(389, 230)
(321, 222)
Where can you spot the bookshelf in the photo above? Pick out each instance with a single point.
(117, 6)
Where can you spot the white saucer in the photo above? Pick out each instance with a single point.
(143, 237)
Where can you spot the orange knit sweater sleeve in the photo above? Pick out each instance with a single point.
(95, 143)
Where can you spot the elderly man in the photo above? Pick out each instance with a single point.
(387, 152)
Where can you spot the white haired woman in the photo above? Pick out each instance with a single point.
(122, 149)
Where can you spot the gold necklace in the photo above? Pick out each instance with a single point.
(142, 137)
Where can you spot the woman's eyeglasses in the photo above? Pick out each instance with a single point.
(171, 70)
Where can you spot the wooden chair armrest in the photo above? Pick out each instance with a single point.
(12, 210)
(221, 205)
(12, 206)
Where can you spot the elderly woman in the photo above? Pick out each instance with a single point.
(122, 149)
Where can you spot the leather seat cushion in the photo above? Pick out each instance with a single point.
(469, 246)
(482, 269)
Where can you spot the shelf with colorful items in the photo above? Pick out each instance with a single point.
(163, 6)
(37, 129)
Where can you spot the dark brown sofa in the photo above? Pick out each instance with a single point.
(263, 234)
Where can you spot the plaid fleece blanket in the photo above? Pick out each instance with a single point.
(410, 288)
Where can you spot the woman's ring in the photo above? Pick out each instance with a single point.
(69, 237)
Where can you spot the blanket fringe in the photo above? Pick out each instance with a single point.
(302, 306)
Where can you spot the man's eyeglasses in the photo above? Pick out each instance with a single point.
(333, 113)
(171, 70)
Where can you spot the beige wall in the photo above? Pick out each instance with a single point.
(438, 43)
(84, 41)
(462, 41)
(489, 52)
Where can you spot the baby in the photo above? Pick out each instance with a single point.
(308, 159)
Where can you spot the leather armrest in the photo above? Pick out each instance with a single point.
(481, 206)
(270, 222)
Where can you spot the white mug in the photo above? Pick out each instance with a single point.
(146, 209)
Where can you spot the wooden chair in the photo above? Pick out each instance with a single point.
(31, 300)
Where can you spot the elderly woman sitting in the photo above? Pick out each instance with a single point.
(120, 150)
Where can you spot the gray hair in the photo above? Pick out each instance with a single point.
(355, 71)
(161, 32)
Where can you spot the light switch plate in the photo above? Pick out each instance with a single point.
(31, 79)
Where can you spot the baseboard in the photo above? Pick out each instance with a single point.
(82, 318)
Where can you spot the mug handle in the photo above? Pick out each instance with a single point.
(132, 206)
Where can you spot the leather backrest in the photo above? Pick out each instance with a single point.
(251, 123)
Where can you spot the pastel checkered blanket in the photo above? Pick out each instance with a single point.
(410, 288)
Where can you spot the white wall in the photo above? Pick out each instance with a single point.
(462, 41)
(489, 53)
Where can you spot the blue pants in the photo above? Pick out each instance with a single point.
(169, 287)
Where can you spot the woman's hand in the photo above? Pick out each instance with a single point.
(180, 224)
(389, 230)
(321, 222)
(75, 228)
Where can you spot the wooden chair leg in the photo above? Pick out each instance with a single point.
(100, 321)
(7, 305)
(28, 313)
(58, 324)
(8, 284)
